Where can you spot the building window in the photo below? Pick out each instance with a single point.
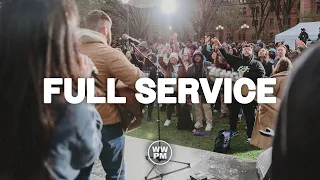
(255, 22)
(257, 10)
(271, 35)
(298, 6)
(318, 7)
(272, 9)
(244, 11)
(298, 20)
(271, 22)
(242, 1)
(239, 37)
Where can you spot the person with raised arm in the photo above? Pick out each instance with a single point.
(247, 67)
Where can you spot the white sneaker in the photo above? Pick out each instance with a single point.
(209, 127)
(249, 140)
(167, 122)
(198, 125)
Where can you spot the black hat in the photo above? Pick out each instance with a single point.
(303, 29)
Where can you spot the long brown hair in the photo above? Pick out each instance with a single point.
(36, 41)
(266, 57)
(284, 64)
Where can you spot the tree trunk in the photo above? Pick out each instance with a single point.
(202, 32)
(286, 23)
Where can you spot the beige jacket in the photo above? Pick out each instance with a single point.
(111, 63)
(267, 114)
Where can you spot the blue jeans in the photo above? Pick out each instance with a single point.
(111, 155)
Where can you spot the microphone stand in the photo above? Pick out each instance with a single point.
(161, 175)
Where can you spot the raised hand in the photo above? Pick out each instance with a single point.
(207, 39)
(216, 42)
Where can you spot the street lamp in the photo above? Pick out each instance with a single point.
(170, 33)
(220, 29)
(244, 28)
(128, 19)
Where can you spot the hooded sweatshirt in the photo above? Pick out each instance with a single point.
(199, 70)
(275, 52)
(255, 68)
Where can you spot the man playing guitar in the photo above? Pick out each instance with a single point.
(111, 63)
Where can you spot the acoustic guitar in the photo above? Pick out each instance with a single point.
(131, 112)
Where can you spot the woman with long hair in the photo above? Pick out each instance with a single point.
(267, 113)
(40, 140)
(263, 57)
(171, 70)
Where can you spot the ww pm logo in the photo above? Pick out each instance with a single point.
(159, 152)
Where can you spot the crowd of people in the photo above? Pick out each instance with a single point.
(42, 39)
(191, 60)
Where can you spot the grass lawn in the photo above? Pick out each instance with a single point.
(239, 145)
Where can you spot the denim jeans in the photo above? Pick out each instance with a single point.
(111, 155)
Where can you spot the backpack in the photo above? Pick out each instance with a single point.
(222, 142)
(184, 118)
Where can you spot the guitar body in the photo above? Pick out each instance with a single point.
(131, 111)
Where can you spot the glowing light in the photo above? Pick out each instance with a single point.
(168, 6)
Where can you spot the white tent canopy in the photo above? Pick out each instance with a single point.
(291, 35)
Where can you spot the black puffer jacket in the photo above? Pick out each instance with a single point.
(256, 69)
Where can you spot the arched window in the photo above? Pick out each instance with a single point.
(244, 11)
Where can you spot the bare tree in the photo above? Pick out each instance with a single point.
(202, 14)
(260, 11)
(138, 19)
(121, 15)
(283, 9)
(228, 17)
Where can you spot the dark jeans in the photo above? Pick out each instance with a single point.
(111, 155)
(217, 105)
(170, 107)
(249, 112)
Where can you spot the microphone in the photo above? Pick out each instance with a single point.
(128, 38)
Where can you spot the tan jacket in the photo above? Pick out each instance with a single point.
(111, 63)
(267, 114)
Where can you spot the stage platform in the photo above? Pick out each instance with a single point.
(215, 166)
